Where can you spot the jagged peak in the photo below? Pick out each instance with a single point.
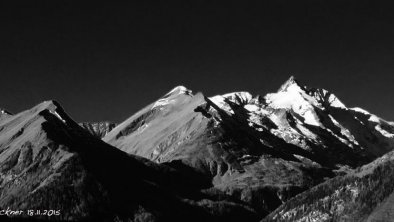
(292, 81)
(292, 89)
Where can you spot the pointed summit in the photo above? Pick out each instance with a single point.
(178, 90)
(291, 81)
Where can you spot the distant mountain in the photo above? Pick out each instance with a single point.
(98, 129)
(260, 150)
(49, 162)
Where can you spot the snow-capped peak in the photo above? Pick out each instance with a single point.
(288, 95)
(291, 92)
(291, 82)
(179, 90)
(171, 95)
(293, 96)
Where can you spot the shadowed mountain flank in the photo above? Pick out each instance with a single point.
(50, 162)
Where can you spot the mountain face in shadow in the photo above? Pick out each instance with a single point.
(49, 162)
(364, 194)
(296, 154)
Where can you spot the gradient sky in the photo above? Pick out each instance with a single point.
(106, 61)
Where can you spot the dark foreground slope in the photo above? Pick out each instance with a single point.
(48, 162)
(365, 194)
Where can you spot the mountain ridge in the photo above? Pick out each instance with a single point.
(48, 161)
(220, 158)
(236, 138)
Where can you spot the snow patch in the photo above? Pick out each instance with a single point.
(240, 98)
(311, 118)
(179, 90)
(384, 132)
(161, 102)
(253, 108)
(345, 132)
(335, 102)
(220, 102)
(360, 110)
(57, 115)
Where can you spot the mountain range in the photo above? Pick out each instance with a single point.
(298, 154)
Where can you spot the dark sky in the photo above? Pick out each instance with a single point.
(105, 61)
